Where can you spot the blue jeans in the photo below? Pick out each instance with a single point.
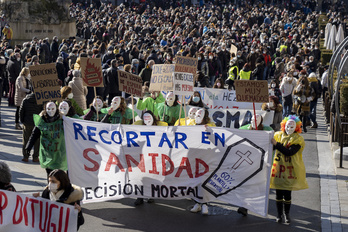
(287, 105)
(313, 110)
(212, 81)
(265, 73)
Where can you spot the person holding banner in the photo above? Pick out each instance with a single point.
(288, 170)
(118, 112)
(49, 128)
(66, 109)
(96, 106)
(67, 94)
(150, 101)
(168, 111)
(190, 120)
(60, 189)
(5, 177)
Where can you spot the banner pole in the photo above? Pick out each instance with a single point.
(133, 108)
(95, 95)
(185, 112)
(255, 116)
(182, 97)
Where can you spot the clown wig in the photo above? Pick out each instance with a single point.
(296, 119)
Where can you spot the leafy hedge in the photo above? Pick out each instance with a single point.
(344, 99)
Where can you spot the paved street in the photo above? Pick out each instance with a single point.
(312, 209)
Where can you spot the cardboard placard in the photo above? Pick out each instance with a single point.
(45, 82)
(186, 64)
(91, 71)
(183, 83)
(234, 49)
(251, 91)
(162, 77)
(130, 83)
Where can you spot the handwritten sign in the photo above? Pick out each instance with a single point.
(45, 82)
(186, 64)
(234, 49)
(251, 91)
(162, 77)
(130, 83)
(183, 83)
(91, 70)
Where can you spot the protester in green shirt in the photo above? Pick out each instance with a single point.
(168, 111)
(118, 112)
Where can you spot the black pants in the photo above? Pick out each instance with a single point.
(283, 195)
(17, 115)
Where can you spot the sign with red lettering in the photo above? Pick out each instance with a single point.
(20, 212)
(91, 71)
(183, 83)
(186, 64)
(130, 83)
(45, 82)
(251, 91)
(114, 161)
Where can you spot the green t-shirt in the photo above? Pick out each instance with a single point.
(169, 114)
(116, 117)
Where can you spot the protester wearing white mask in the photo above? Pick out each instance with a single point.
(274, 105)
(288, 146)
(66, 109)
(118, 112)
(168, 111)
(49, 128)
(96, 106)
(67, 94)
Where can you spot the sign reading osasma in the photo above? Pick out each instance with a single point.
(206, 164)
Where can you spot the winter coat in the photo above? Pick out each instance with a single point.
(22, 88)
(13, 69)
(258, 72)
(278, 115)
(28, 108)
(145, 74)
(112, 78)
(302, 107)
(72, 195)
(79, 91)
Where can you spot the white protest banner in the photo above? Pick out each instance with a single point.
(162, 77)
(130, 83)
(113, 161)
(235, 118)
(45, 82)
(20, 212)
(183, 83)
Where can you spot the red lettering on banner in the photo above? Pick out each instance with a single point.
(25, 212)
(19, 208)
(60, 219)
(95, 163)
(164, 165)
(274, 170)
(3, 204)
(140, 165)
(49, 218)
(67, 220)
(185, 164)
(206, 168)
(41, 216)
(113, 159)
(154, 166)
(33, 201)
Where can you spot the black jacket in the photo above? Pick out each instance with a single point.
(112, 78)
(28, 108)
(13, 69)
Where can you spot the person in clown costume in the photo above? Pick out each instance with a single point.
(49, 128)
(148, 119)
(118, 112)
(168, 111)
(288, 170)
(91, 113)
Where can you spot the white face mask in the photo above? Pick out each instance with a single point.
(273, 85)
(53, 187)
(148, 119)
(170, 99)
(115, 103)
(192, 112)
(98, 104)
(64, 108)
(258, 121)
(70, 95)
(199, 116)
(51, 109)
(290, 126)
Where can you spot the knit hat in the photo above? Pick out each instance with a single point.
(5, 173)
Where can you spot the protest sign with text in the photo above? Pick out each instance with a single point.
(186, 64)
(91, 71)
(233, 50)
(20, 212)
(45, 82)
(183, 83)
(113, 161)
(251, 91)
(162, 77)
(130, 83)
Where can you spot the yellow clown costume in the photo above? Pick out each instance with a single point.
(288, 172)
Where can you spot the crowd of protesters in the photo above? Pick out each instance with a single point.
(278, 43)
